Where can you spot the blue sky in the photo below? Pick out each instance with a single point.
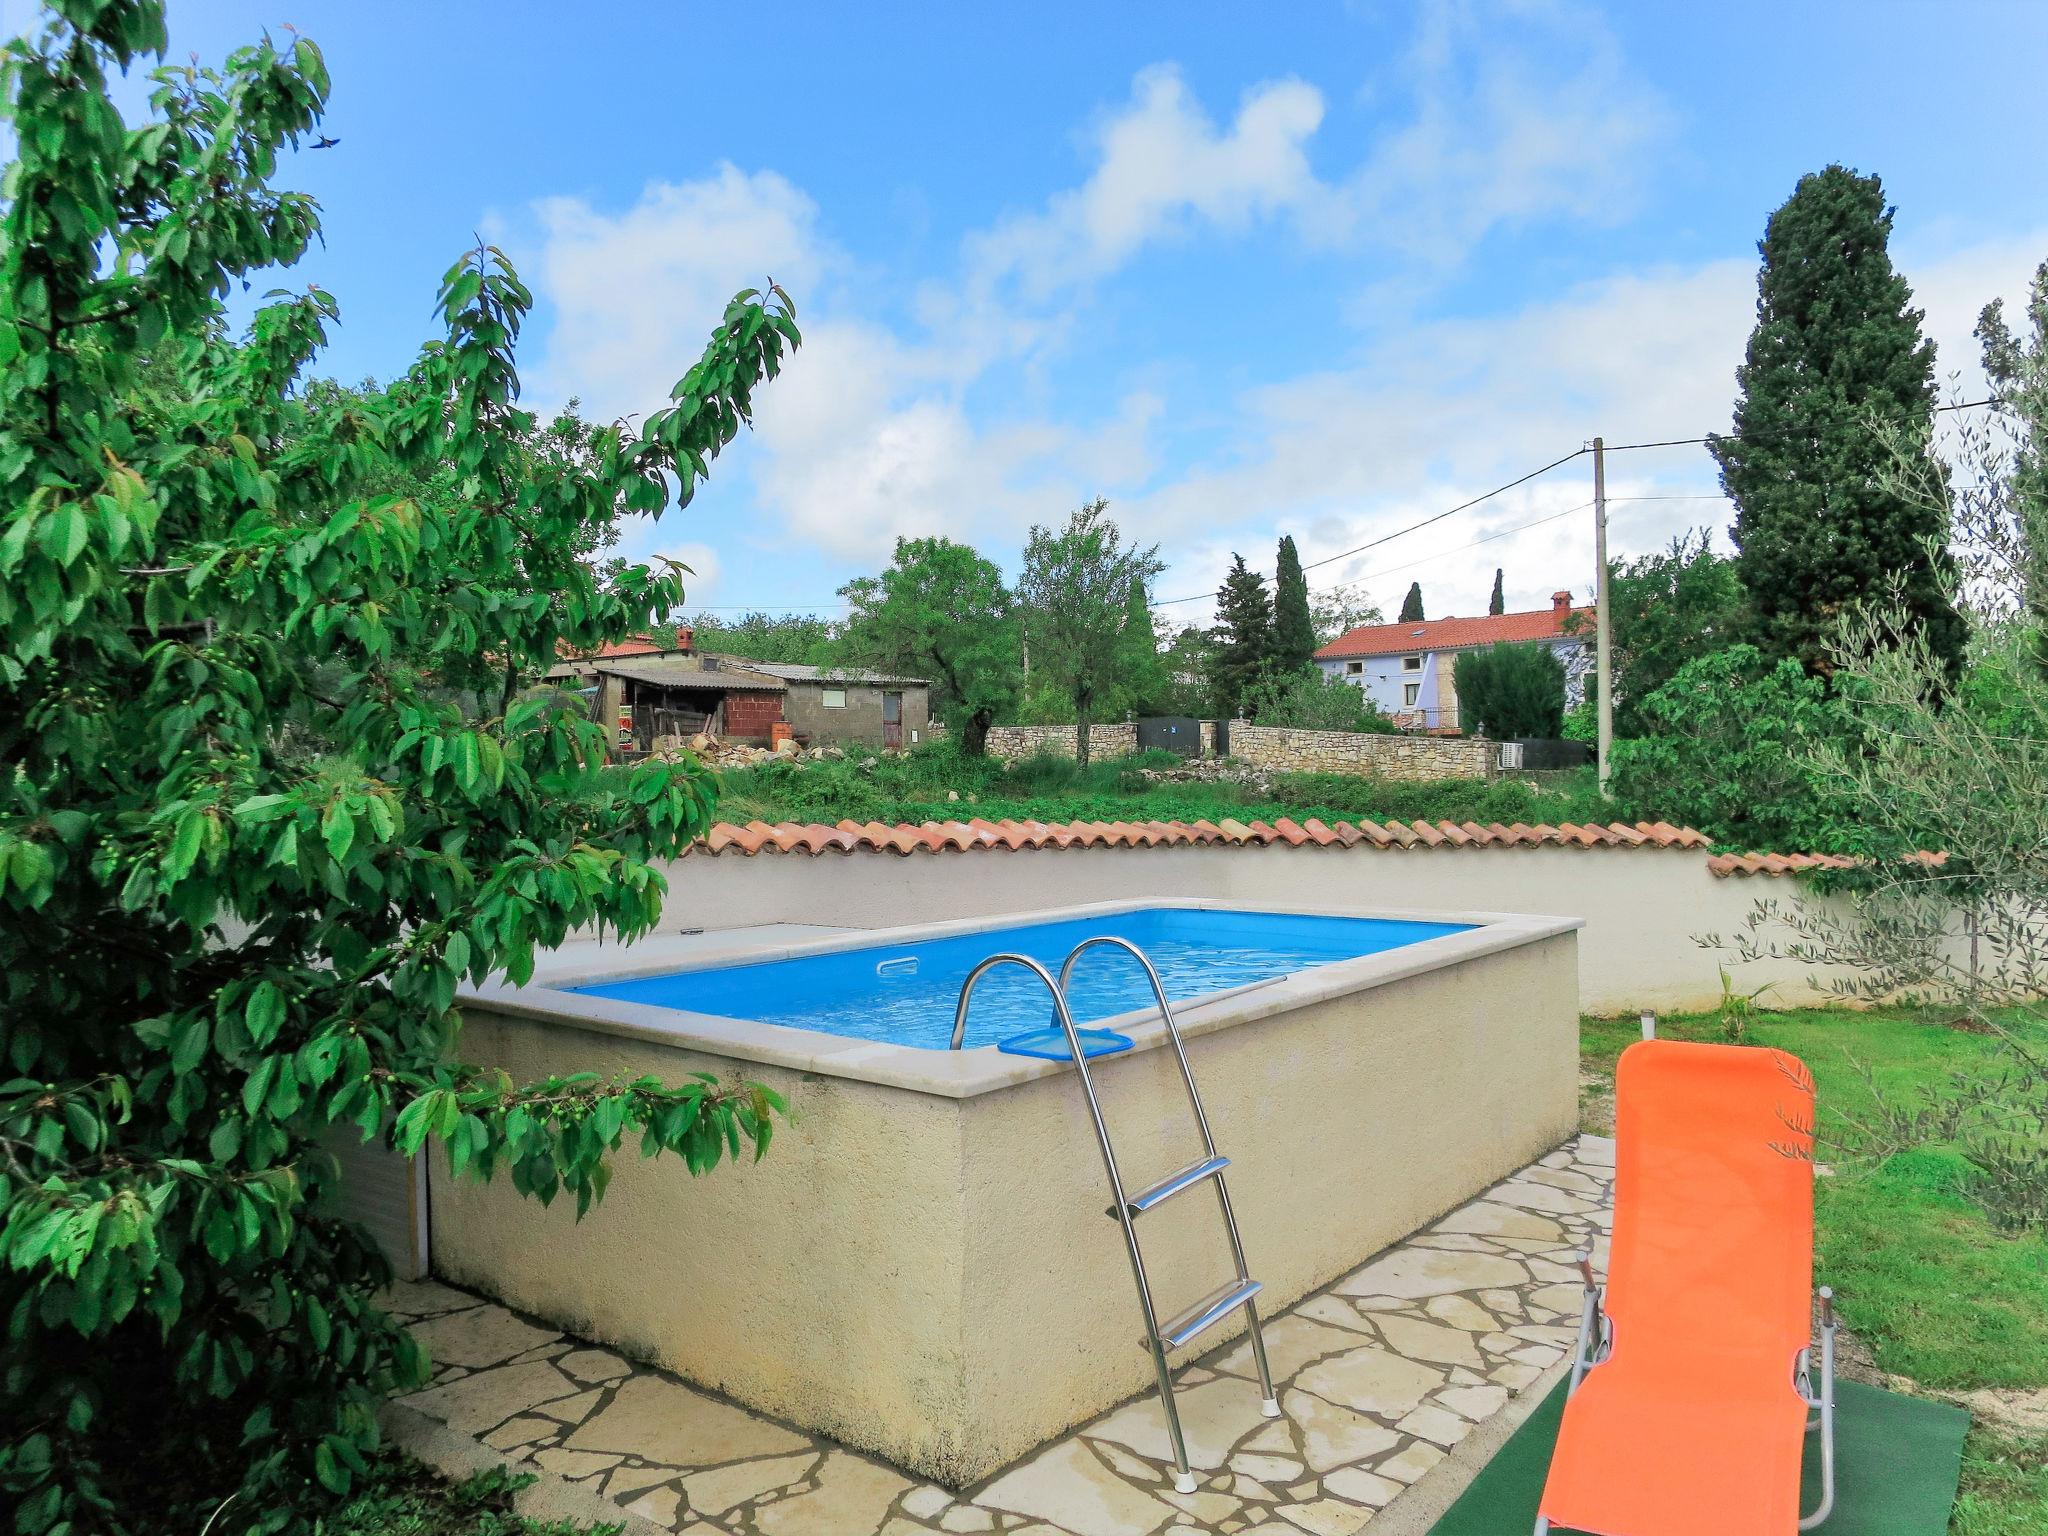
(1325, 274)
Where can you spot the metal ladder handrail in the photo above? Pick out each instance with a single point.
(1122, 1210)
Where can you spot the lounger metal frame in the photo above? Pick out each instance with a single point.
(1596, 1343)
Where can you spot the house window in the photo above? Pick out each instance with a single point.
(832, 698)
(1410, 692)
(1411, 663)
(1354, 667)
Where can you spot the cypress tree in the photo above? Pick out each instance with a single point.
(1837, 343)
(1411, 605)
(1244, 635)
(1498, 603)
(1294, 629)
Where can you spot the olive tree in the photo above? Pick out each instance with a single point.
(1952, 902)
(275, 780)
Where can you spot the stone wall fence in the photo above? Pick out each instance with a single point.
(1106, 738)
(1369, 754)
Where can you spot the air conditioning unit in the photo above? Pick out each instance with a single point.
(1510, 755)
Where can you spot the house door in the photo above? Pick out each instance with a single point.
(892, 719)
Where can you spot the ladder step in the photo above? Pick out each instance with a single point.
(1207, 1312)
(1173, 1184)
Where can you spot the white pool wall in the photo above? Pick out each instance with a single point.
(922, 1265)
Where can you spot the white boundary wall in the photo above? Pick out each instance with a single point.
(1643, 908)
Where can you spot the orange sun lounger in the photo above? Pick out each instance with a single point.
(1693, 1378)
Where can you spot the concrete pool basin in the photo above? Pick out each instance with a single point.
(923, 1267)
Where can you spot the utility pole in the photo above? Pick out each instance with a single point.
(1603, 620)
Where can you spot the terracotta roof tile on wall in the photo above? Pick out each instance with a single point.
(1793, 863)
(977, 836)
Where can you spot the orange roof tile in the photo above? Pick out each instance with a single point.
(978, 835)
(1449, 634)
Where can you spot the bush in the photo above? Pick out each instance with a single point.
(1311, 700)
(1506, 691)
(1732, 755)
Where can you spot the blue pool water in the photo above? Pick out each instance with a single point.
(905, 993)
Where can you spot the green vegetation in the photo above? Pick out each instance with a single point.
(1411, 605)
(801, 639)
(279, 780)
(1837, 346)
(1668, 609)
(1294, 629)
(914, 787)
(941, 612)
(1926, 1280)
(1507, 691)
(1310, 699)
(1244, 637)
(1730, 750)
(1081, 622)
(397, 1496)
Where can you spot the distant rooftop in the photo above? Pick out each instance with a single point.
(1452, 634)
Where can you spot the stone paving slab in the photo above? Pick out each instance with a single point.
(1379, 1374)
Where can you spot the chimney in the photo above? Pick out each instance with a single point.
(1560, 604)
(686, 639)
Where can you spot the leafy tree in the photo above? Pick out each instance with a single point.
(1244, 636)
(1076, 595)
(1294, 629)
(799, 639)
(252, 839)
(1411, 605)
(1188, 661)
(1667, 608)
(940, 611)
(1142, 683)
(1728, 750)
(1498, 603)
(1507, 690)
(1310, 699)
(1958, 774)
(1837, 349)
(1341, 609)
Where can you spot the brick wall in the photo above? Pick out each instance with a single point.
(748, 715)
(1283, 749)
(1105, 739)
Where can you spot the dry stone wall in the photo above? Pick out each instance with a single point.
(1105, 739)
(1282, 749)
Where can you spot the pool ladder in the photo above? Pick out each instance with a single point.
(1127, 1207)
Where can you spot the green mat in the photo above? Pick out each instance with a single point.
(1896, 1464)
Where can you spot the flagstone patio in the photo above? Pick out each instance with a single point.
(1379, 1374)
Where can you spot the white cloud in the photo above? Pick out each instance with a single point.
(636, 293)
(704, 568)
(1160, 164)
(1444, 412)
(1498, 119)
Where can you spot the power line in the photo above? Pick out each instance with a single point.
(1463, 506)
(1736, 437)
(1486, 539)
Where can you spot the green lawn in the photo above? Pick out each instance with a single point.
(1924, 1279)
(914, 787)
(401, 1497)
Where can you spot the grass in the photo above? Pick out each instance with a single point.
(1929, 1285)
(401, 1497)
(915, 787)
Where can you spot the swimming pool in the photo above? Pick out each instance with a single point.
(922, 1267)
(905, 993)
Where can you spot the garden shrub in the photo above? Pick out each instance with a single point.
(278, 782)
(1507, 690)
(1310, 699)
(1732, 755)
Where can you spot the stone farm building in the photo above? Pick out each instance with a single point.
(654, 691)
(1408, 670)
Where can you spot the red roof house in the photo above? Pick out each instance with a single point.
(1407, 669)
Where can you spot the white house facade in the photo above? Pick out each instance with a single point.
(1409, 670)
